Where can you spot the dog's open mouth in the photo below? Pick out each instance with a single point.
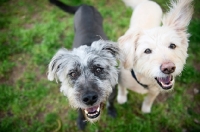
(165, 82)
(93, 112)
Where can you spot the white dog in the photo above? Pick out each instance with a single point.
(154, 55)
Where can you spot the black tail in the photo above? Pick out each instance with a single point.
(64, 7)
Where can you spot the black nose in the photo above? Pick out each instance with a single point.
(90, 98)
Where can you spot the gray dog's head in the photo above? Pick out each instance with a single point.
(87, 74)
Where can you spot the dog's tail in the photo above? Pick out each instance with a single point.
(133, 3)
(64, 7)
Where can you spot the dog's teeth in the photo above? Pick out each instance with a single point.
(91, 114)
(98, 109)
(86, 111)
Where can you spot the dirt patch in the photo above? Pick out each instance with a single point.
(19, 68)
(17, 71)
(162, 97)
(28, 26)
(194, 94)
(197, 66)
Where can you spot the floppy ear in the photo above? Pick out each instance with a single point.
(127, 44)
(55, 64)
(108, 46)
(179, 15)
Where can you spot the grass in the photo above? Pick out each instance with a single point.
(32, 31)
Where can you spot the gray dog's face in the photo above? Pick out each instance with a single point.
(87, 74)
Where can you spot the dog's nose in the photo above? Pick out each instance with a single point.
(90, 98)
(168, 67)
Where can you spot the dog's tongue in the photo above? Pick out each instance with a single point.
(165, 80)
(92, 109)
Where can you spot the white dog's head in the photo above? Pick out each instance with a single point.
(160, 53)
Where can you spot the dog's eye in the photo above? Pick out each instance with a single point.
(172, 46)
(98, 70)
(73, 74)
(147, 51)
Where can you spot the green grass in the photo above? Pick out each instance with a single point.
(30, 34)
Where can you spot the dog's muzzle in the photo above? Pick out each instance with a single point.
(93, 110)
(166, 82)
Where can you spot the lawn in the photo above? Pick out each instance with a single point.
(31, 31)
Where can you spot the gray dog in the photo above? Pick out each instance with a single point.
(88, 73)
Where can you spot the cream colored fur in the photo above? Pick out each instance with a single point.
(133, 3)
(144, 33)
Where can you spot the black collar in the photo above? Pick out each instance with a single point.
(134, 76)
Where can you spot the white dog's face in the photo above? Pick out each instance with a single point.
(160, 54)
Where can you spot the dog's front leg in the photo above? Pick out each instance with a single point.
(148, 101)
(122, 94)
(110, 104)
(81, 121)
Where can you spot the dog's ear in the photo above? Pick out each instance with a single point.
(179, 15)
(127, 44)
(108, 46)
(55, 64)
(113, 48)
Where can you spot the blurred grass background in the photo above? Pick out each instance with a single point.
(31, 31)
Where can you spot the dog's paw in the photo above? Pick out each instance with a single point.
(121, 99)
(146, 108)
